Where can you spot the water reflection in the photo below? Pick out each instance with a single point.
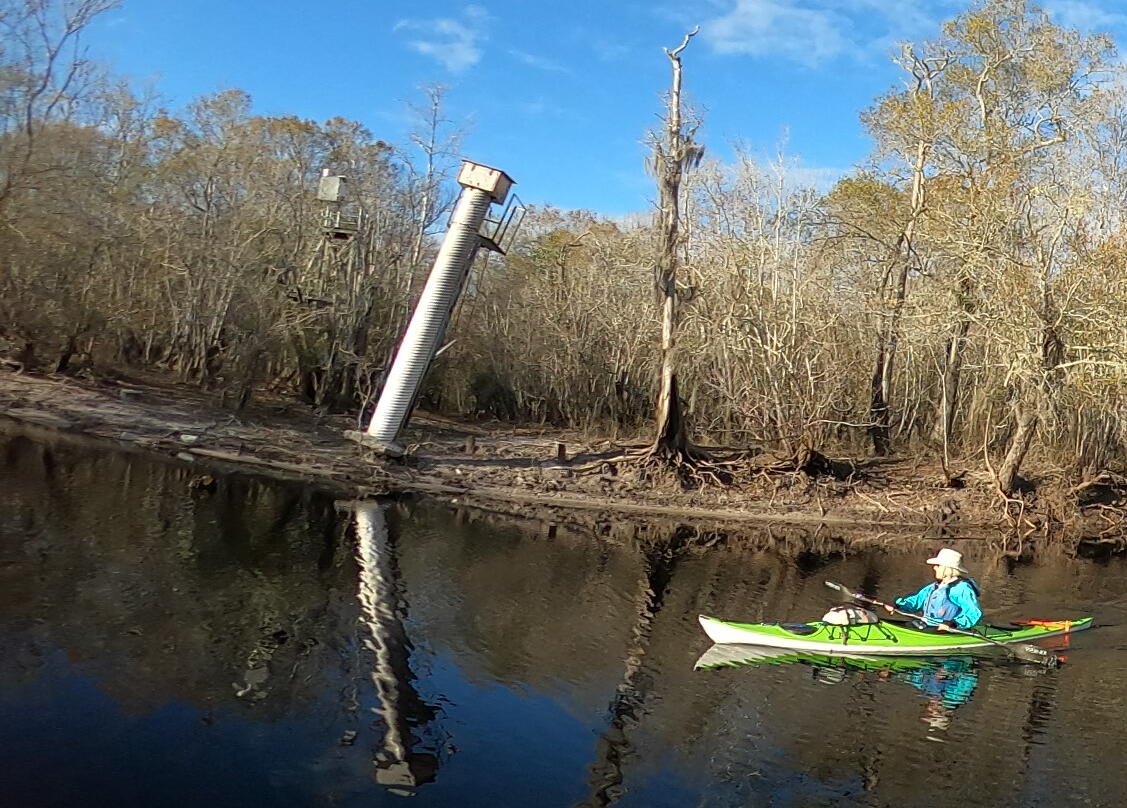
(660, 557)
(399, 764)
(301, 655)
(946, 683)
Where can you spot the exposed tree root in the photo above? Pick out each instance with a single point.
(696, 467)
(692, 466)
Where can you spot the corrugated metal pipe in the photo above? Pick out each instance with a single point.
(428, 323)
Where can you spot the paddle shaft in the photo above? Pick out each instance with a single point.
(1028, 652)
(890, 607)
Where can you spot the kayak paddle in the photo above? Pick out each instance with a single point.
(1022, 651)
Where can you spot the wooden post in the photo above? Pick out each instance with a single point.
(561, 451)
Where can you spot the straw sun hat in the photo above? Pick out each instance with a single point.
(948, 558)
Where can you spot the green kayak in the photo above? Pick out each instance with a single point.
(882, 638)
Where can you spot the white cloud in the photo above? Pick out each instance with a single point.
(1084, 16)
(538, 62)
(455, 43)
(819, 178)
(607, 50)
(813, 32)
(779, 27)
(541, 107)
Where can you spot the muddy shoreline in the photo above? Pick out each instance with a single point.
(517, 471)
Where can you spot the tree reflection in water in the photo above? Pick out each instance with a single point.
(150, 631)
(659, 561)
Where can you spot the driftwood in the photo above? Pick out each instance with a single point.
(306, 472)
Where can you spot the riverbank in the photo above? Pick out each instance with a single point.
(541, 473)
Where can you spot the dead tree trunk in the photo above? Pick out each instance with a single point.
(1027, 409)
(1026, 416)
(944, 431)
(889, 335)
(887, 340)
(673, 153)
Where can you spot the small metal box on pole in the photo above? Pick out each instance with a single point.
(495, 182)
(331, 187)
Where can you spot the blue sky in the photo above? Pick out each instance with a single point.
(558, 94)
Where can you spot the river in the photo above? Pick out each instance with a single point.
(257, 643)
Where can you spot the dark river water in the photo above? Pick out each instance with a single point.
(260, 644)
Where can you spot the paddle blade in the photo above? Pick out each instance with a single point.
(1031, 653)
(846, 594)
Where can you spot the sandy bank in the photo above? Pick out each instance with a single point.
(517, 470)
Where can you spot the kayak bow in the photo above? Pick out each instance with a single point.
(883, 638)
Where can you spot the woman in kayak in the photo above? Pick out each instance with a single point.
(951, 600)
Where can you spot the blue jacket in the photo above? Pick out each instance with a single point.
(938, 603)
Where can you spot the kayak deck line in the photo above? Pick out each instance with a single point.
(883, 638)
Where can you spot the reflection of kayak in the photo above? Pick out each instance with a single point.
(882, 638)
(732, 656)
(948, 680)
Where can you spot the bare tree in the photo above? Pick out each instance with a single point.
(43, 70)
(894, 282)
(673, 154)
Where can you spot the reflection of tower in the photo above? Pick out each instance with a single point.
(402, 761)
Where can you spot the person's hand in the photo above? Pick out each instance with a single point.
(942, 627)
(889, 609)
